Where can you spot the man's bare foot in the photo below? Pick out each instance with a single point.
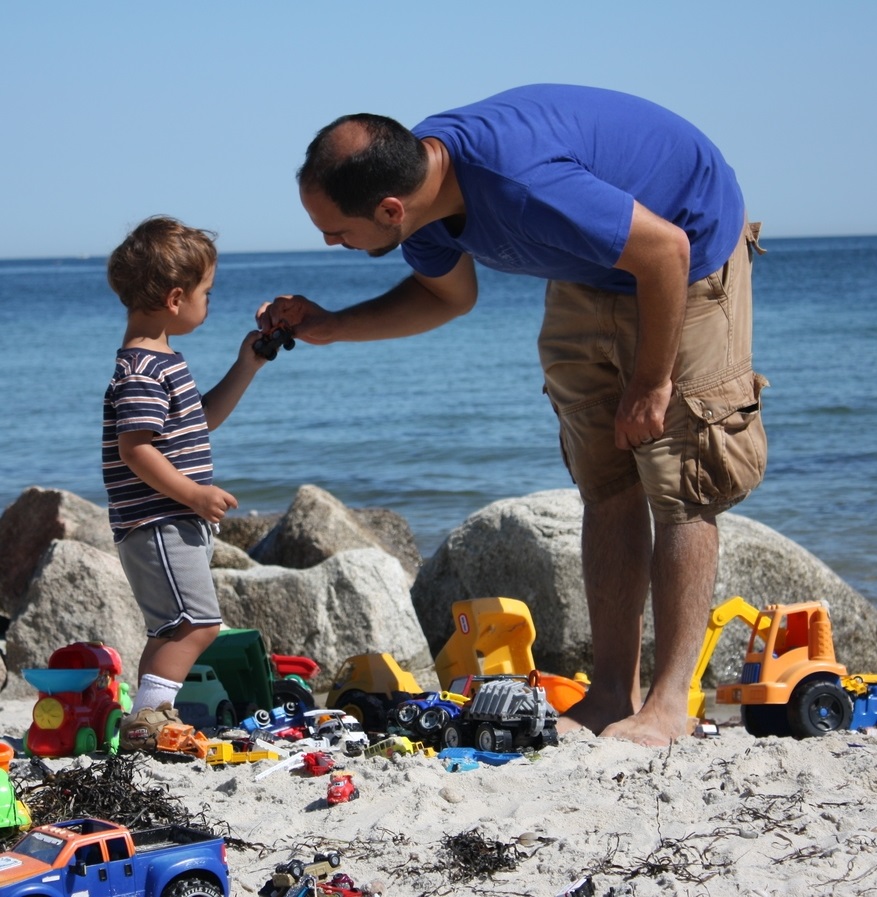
(593, 712)
(648, 728)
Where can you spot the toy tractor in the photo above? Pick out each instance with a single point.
(792, 683)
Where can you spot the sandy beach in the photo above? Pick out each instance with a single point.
(719, 815)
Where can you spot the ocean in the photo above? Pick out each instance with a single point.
(437, 426)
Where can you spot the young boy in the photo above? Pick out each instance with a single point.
(157, 464)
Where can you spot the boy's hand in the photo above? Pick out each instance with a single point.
(212, 503)
(307, 320)
(246, 352)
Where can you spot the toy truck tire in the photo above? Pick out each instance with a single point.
(225, 715)
(193, 886)
(762, 720)
(493, 739)
(432, 720)
(453, 735)
(287, 691)
(818, 707)
(112, 726)
(367, 709)
(86, 741)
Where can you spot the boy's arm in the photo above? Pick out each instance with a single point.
(220, 401)
(151, 466)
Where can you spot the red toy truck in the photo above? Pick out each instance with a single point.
(80, 705)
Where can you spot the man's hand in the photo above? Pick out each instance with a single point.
(640, 416)
(307, 320)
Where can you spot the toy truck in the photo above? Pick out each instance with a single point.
(93, 856)
(252, 677)
(506, 712)
(369, 686)
(792, 683)
(80, 703)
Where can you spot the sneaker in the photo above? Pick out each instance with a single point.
(139, 731)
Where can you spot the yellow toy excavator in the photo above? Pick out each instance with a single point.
(732, 609)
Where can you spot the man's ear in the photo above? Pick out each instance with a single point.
(174, 299)
(390, 210)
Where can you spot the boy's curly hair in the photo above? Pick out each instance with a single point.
(159, 254)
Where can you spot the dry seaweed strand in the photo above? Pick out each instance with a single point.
(116, 789)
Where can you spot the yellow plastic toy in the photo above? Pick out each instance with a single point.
(494, 637)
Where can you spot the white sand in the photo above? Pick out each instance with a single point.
(715, 816)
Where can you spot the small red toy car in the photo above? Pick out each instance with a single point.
(341, 789)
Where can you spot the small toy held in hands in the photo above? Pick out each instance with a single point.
(268, 344)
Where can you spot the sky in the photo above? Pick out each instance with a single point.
(114, 111)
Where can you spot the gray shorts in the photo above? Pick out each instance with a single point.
(168, 567)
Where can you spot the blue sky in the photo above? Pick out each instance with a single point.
(112, 111)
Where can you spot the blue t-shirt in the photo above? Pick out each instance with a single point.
(152, 391)
(549, 174)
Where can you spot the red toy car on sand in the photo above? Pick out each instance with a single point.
(341, 789)
(80, 705)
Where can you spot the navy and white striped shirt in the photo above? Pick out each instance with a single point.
(152, 391)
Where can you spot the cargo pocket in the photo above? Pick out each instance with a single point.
(725, 451)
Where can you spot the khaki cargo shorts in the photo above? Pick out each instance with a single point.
(713, 451)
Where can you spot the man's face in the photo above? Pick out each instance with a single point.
(373, 236)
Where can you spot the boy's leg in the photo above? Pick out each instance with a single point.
(168, 567)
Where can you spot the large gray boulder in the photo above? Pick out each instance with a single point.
(77, 593)
(530, 548)
(355, 602)
(27, 527)
(317, 526)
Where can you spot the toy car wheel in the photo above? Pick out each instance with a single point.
(819, 707)
(334, 859)
(432, 720)
(225, 715)
(452, 735)
(262, 718)
(761, 720)
(193, 887)
(287, 691)
(550, 737)
(86, 741)
(488, 738)
(363, 707)
(111, 731)
(407, 713)
(295, 868)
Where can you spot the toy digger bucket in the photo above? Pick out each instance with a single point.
(492, 636)
(561, 692)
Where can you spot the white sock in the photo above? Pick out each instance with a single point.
(153, 691)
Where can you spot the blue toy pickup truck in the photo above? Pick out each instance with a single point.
(92, 856)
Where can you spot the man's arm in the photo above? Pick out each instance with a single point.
(415, 305)
(657, 254)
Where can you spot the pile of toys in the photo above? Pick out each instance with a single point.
(493, 706)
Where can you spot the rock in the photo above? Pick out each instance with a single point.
(230, 557)
(529, 548)
(29, 525)
(247, 530)
(318, 526)
(354, 602)
(77, 593)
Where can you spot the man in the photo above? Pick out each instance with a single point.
(638, 225)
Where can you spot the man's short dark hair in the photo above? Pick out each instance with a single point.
(359, 160)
